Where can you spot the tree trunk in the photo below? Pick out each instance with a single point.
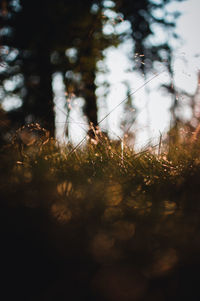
(38, 100)
(45, 110)
(90, 99)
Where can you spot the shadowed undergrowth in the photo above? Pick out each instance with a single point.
(99, 224)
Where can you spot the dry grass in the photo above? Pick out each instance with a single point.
(131, 214)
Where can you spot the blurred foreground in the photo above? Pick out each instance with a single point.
(100, 222)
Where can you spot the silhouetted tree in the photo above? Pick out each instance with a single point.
(41, 38)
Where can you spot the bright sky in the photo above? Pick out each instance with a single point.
(153, 103)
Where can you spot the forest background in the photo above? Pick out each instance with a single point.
(149, 37)
(96, 219)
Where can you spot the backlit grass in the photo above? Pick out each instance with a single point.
(120, 215)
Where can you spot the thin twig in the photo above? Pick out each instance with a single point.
(134, 92)
(160, 143)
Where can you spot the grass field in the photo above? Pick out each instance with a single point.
(100, 222)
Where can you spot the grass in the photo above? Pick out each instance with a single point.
(93, 223)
